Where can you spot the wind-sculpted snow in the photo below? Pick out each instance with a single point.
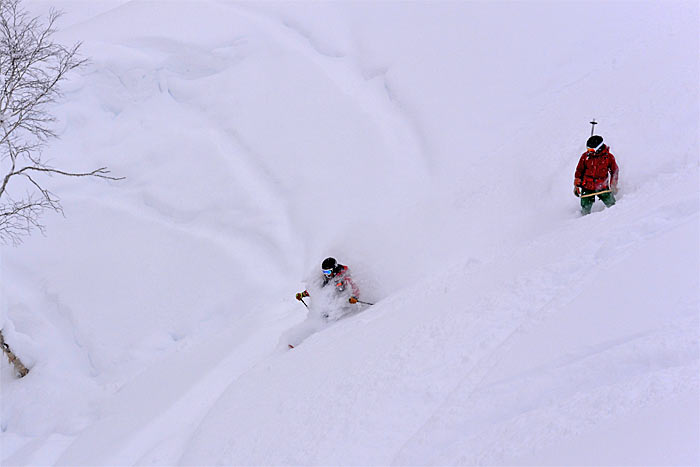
(430, 147)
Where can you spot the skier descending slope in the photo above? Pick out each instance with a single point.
(596, 175)
(335, 296)
(338, 275)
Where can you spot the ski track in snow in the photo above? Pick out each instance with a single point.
(139, 84)
(288, 33)
(347, 77)
(246, 168)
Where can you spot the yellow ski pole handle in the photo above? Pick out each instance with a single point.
(596, 193)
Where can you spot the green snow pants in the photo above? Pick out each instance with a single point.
(587, 203)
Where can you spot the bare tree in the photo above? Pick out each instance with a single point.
(20, 369)
(32, 66)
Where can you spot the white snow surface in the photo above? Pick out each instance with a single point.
(431, 147)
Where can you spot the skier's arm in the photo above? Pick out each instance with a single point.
(578, 177)
(580, 168)
(354, 287)
(614, 173)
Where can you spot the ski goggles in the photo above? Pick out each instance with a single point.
(328, 272)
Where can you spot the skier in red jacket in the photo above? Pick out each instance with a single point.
(596, 175)
(338, 275)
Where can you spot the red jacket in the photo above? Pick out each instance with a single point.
(593, 170)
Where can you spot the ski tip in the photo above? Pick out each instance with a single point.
(290, 346)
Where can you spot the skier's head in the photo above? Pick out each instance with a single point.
(594, 143)
(329, 267)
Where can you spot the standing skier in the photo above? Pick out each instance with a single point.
(596, 175)
(338, 275)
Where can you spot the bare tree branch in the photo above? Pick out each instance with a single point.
(32, 66)
(100, 173)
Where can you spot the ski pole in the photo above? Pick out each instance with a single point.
(593, 124)
(365, 303)
(596, 193)
(302, 301)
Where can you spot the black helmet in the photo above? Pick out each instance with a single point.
(329, 266)
(594, 143)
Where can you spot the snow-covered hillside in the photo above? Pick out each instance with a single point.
(428, 145)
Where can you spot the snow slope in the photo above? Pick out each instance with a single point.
(430, 146)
